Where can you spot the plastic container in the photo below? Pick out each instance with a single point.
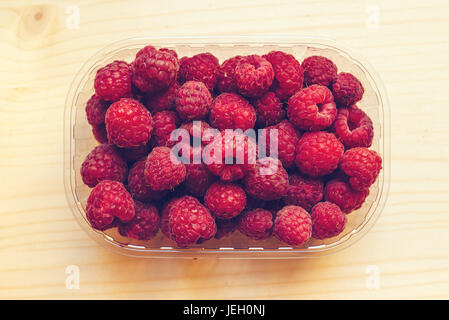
(79, 142)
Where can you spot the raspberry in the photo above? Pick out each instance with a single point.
(137, 186)
(303, 191)
(319, 70)
(202, 67)
(362, 166)
(193, 101)
(144, 225)
(128, 123)
(267, 180)
(96, 109)
(172, 52)
(113, 81)
(287, 138)
(313, 108)
(232, 111)
(165, 217)
(238, 155)
(225, 200)
(189, 222)
(163, 100)
(269, 110)
(225, 227)
(347, 89)
(318, 153)
(100, 133)
(136, 153)
(145, 50)
(353, 127)
(103, 163)
(154, 70)
(165, 122)
(199, 131)
(293, 225)
(107, 200)
(198, 179)
(226, 75)
(254, 76)
(163, 170)
(327, 220)
(256, 224)
(340, 192)
(288, 74)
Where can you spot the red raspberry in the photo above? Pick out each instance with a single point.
(113, 81)
(319, 70)
(318, 153)
(327, 220)
(225, 200)
(256, 224)
(340, 192)
(202, 67)
(165, 122)
(199, 131)
(172, 52)
(267, 180)
(107, 200)
(269, 110)
(163, 100)
(128, 123)
(100, 133)
(353, 127)
(288, 74)
(103, 163)
(190, 222)
(193, 101)
(226, 75)
(362, 166)
(163, 171)
(165, 217)
(287, 138)
(254, 76)
(293, 225)
(232, 111)
(136, 153)
(347, 89)
(303, 191)
(137, 186)
(238, 155)
(145, 50)
(144, 225)
(225, 227)
(198, 179)
(96, 109)
(313, 108)
(154, 70)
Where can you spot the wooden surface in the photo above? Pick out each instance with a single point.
(406, 254)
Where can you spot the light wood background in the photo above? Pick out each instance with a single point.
(406, 254)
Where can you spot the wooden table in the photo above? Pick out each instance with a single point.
(406, 254)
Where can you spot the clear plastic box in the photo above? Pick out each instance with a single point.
(79, 142)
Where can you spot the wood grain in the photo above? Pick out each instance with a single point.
(39, 238)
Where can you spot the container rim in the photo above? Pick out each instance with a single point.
(285, 252)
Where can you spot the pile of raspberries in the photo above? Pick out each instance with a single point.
(322, 171)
